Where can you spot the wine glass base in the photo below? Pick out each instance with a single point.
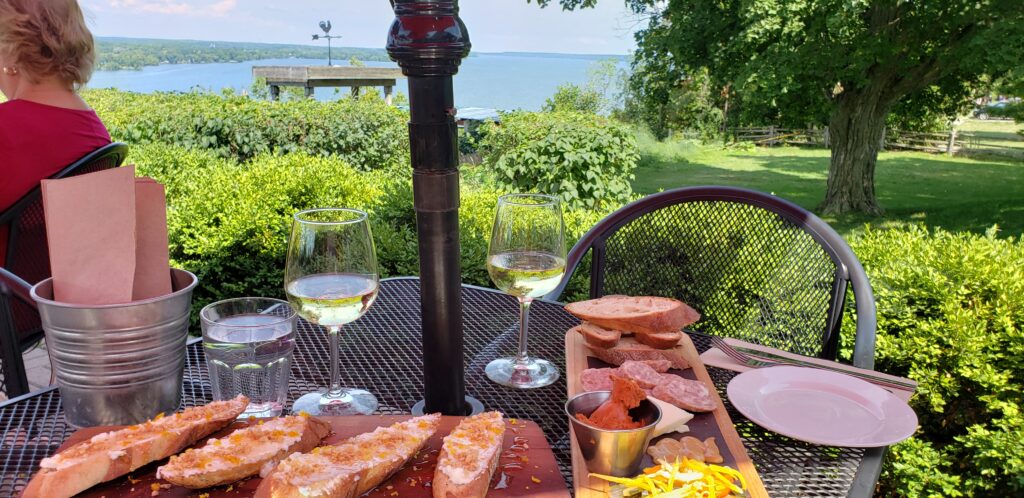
(474, 405)
(532, 374)
(351, 402)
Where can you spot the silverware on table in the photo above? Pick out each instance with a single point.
(758, 359)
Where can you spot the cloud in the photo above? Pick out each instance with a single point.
(200, 9)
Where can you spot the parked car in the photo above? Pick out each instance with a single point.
(991, 110)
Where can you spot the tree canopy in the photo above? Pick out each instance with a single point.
(845, 63)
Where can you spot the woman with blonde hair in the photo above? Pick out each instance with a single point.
(46, 54)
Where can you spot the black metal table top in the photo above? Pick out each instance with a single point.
(381, 352)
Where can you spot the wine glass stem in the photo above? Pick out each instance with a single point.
(524, 326)
(334, 337)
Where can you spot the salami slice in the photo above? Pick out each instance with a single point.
(690, 395)
(660, 366)
(641, 373)
(597, 379)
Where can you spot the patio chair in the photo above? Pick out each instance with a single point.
(28, 255)
(757, 267)
(28, 260)
(14, 292)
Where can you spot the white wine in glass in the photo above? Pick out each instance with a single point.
(331, 279)
(526, 259)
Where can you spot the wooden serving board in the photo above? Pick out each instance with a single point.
(526, 466)
(715, 424)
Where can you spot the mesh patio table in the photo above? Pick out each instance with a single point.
(381, 352)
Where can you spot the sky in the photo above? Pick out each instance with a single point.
(494, 25)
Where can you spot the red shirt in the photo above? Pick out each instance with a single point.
(36, 142)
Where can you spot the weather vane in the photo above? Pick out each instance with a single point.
(326, 26)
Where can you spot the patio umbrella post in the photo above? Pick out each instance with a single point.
(428, 41)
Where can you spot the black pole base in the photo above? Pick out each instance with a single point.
(473, 406)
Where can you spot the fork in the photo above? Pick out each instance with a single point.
(754, 362)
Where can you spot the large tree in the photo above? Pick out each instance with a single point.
(844, 63)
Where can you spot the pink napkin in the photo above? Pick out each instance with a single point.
(107, 234)
(716, 358)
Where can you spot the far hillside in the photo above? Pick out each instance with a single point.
(135, 53)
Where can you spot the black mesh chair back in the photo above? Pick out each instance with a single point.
(13, 292)
(755, 266)
(28, 254)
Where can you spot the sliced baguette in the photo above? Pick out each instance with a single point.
(629, 349)
(469, 457)
(598, 336)
(660, 340)
(352, 467)
(113, 454)
(248, 451)
(646, 314)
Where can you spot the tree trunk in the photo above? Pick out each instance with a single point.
(856, 130)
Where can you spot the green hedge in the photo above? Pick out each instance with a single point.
(585, 159)
(364, 132)
(951, 316)
(228, 221)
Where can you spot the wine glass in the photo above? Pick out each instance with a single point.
(331, 279)
(526, 259)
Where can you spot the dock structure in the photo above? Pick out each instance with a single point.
(310, 77)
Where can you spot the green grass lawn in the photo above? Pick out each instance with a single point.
(1004, 133)
(949, 192)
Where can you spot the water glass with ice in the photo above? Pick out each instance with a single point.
(249, 343)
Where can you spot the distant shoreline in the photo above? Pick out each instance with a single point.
(123, 53)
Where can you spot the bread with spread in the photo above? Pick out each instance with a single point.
(248, 451)
(352, 467)
(113, 454)
(469, 457)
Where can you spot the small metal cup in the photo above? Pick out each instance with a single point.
(616, 453)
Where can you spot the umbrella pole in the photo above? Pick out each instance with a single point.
(428, 41)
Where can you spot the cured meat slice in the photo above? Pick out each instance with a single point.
(629, 349)
(597, 379)
(641, 373)
(660, 366)
(687, 394)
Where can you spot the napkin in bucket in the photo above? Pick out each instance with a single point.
(107, 235)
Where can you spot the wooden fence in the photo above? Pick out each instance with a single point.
(946, 142)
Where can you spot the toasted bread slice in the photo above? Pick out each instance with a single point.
(469, 456)
(660, 340)
(352, 467)
(598, 336)
(114, 454)
(629, 349)
(252, 450)
(646, 314)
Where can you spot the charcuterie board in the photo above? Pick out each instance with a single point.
(712, 424)
(526, 466)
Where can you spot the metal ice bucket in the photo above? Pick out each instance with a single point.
(118, 364)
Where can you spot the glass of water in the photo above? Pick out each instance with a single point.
(249, 343)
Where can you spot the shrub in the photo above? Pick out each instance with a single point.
(574, 98)
(951, 316)
(365, 132)
(584, 159)
(228, 222)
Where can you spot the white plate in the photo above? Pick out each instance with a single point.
(821, 407)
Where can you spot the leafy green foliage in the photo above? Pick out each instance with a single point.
(951, 316)
(134, 53)
(365, 132)
(228, 222)
(807, 63)
(584, 159)
(573, 98)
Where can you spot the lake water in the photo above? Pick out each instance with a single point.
(497, 81)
